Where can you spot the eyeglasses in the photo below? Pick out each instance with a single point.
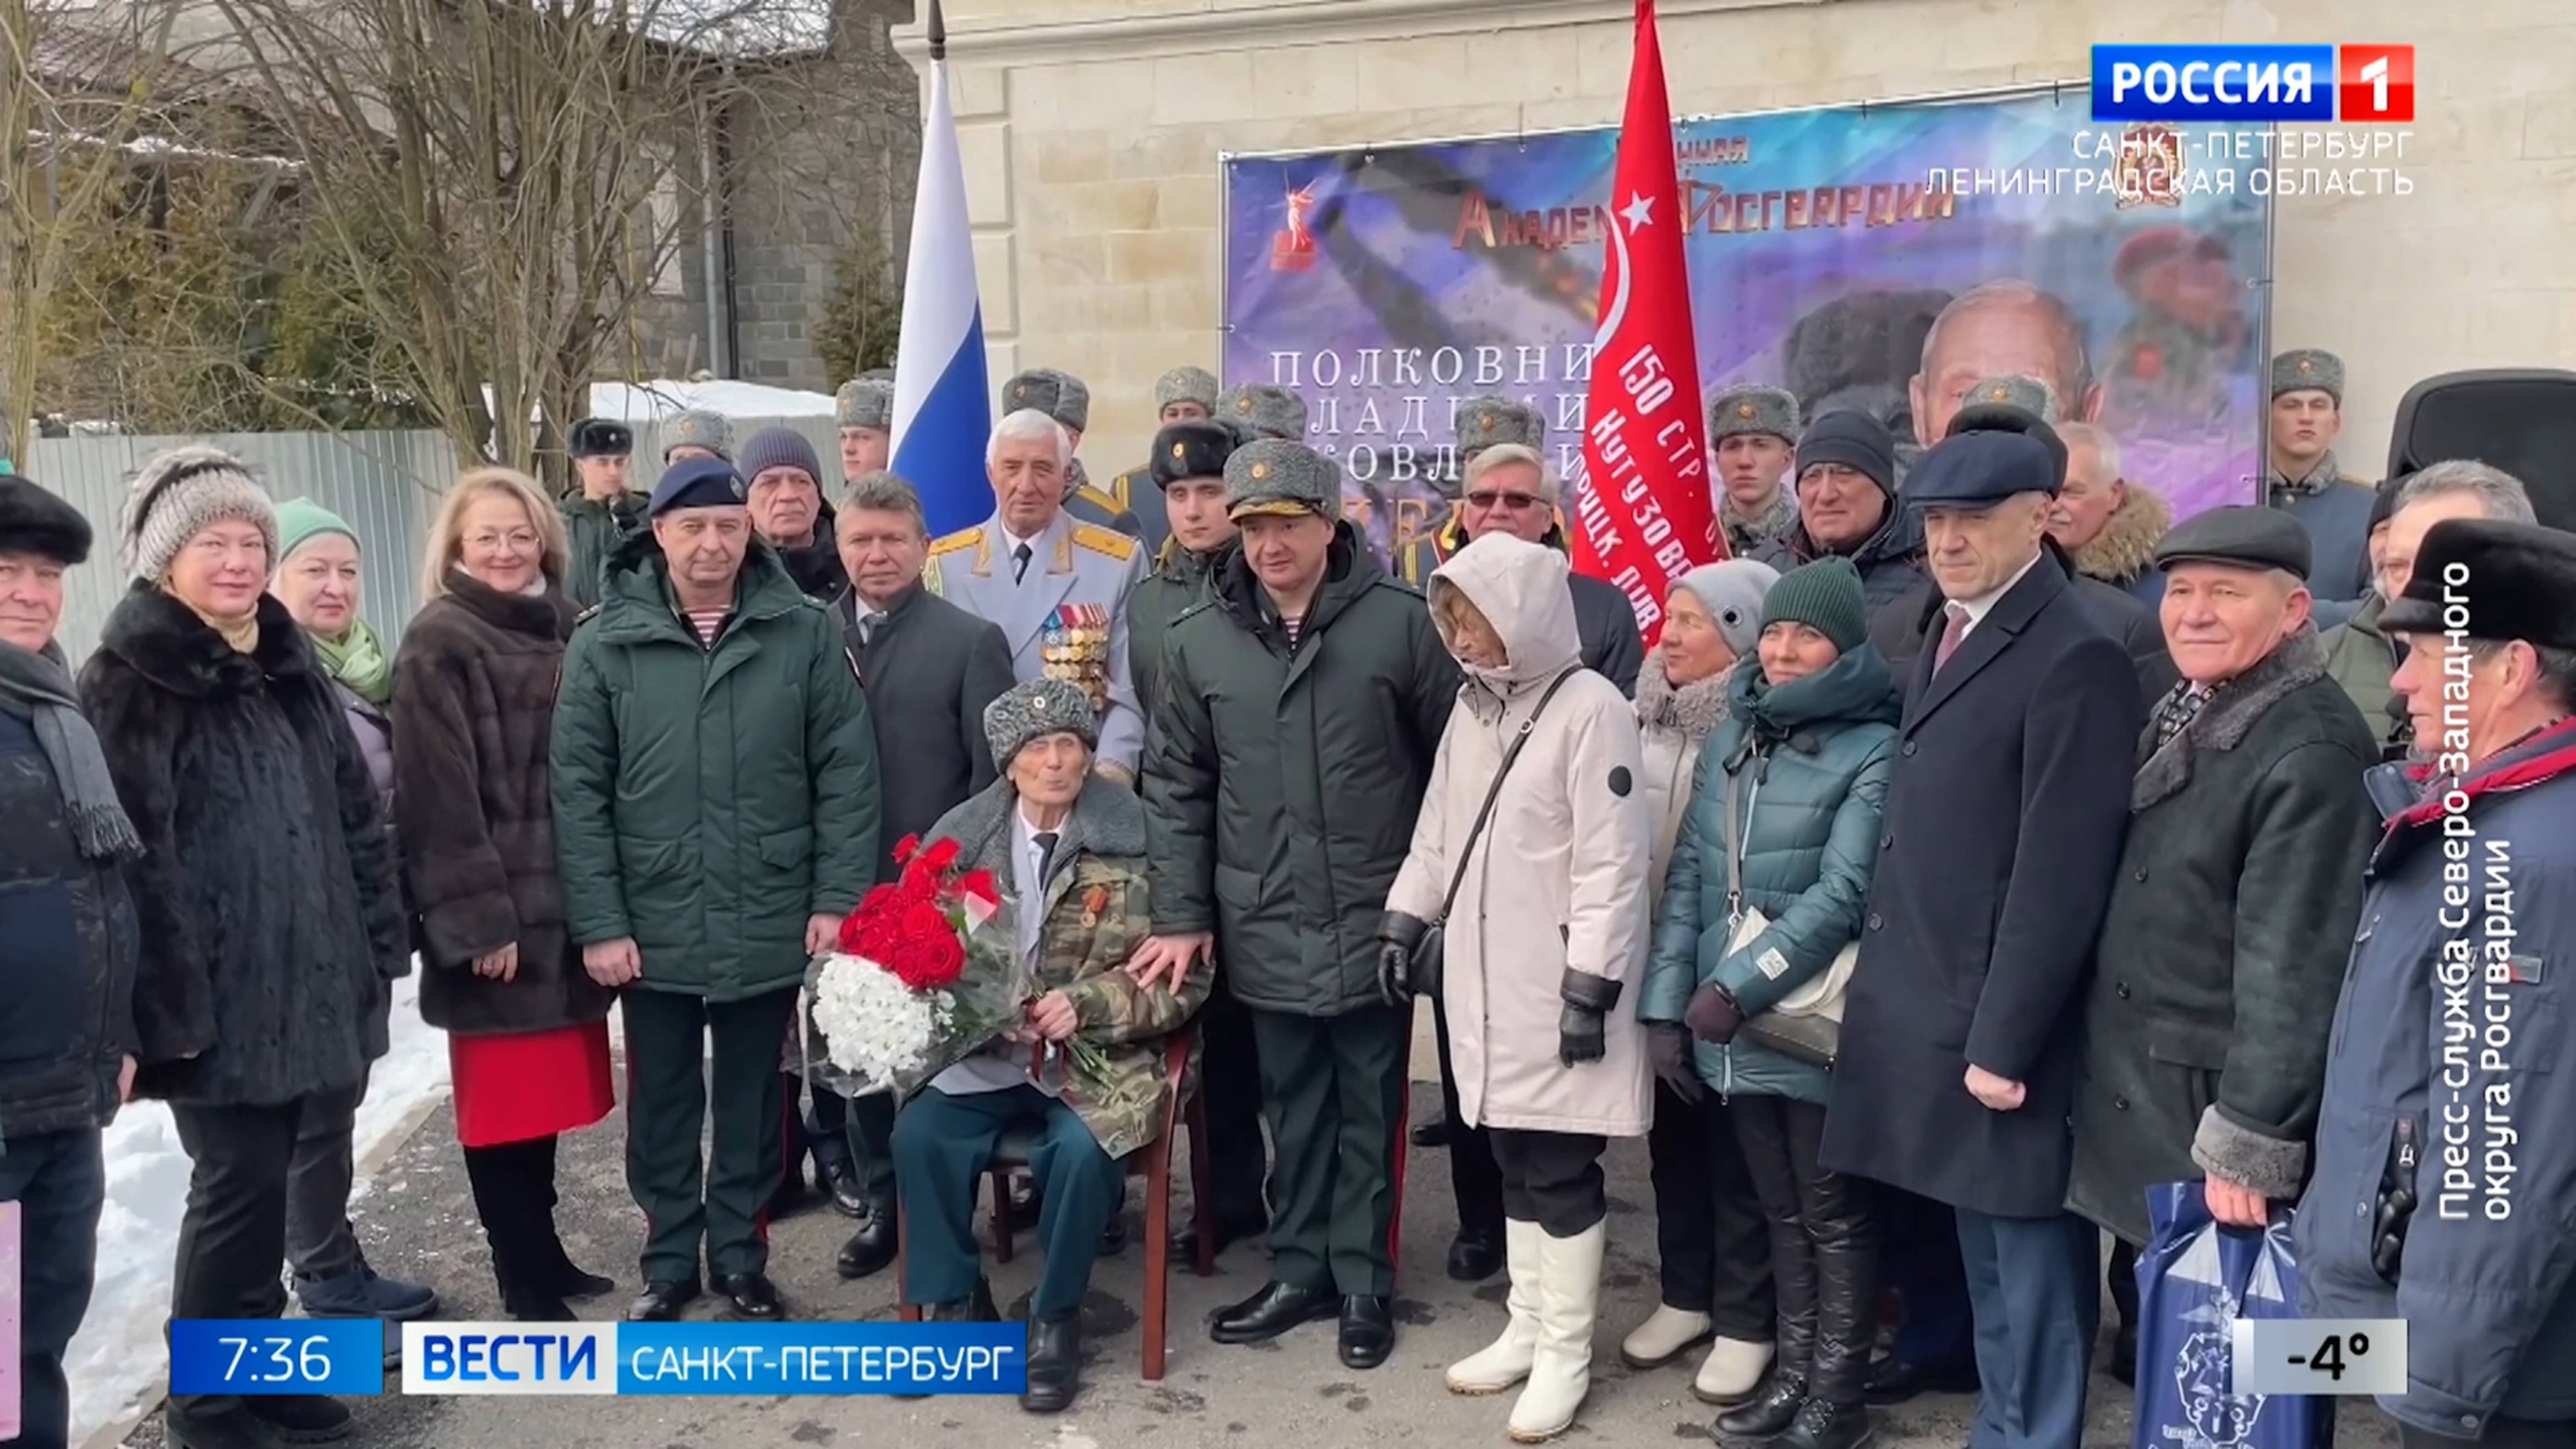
(1515, 502)
(522, 539)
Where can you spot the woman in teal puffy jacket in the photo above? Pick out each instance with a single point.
(1806, 747)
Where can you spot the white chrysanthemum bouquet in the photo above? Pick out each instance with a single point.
(927, 972)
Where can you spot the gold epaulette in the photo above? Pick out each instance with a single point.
(951, 542)
(1104, 540)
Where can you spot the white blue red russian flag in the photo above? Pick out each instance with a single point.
(942, 408)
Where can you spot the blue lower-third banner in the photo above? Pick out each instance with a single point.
(715, 1358)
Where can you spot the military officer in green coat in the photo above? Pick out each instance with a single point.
(1182, 395)
(603, 507)
(1189, 472)
(715, 797)
(1300, 708)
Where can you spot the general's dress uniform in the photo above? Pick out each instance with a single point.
(1063, 613)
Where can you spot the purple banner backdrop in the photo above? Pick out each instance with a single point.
(1385, 285)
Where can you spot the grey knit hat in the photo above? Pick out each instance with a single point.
(1186, 384)
(178, 493)
(698, 428)
(1040, 707)
(778, 447)
(865, 403)
(1270, 412)
(1732, 592)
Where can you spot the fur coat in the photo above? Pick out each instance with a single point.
(272, 923)
(474, 812)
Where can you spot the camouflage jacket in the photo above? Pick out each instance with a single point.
(1095, 917)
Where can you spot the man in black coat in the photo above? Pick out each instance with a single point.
(68, 947)
(929, 668)
(2003, 827)
(2219, 963)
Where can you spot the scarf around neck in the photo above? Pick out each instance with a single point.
(357, 659)
(37, 689)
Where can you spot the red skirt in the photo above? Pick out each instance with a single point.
(524, 1085)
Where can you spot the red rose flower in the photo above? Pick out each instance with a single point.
(942, 854)
(904, 848)
(979, 884)
(932, 962)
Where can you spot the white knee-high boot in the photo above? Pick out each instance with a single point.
(1506, 1361)
(1569, 1279)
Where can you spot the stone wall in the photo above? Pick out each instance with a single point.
(1091, 131)
(820, 157)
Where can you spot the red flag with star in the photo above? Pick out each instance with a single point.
(1643, 516)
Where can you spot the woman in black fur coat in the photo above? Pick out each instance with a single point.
(272, 925)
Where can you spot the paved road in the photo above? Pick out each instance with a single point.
(420, 1223)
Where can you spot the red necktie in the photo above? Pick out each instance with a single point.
(1951, 633)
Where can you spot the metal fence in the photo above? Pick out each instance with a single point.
(386, 484)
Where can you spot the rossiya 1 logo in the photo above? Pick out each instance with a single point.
(2356, 84)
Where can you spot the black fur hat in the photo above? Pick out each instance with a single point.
(33, 520)
(1192, 450)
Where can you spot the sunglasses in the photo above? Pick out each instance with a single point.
(1495, 499)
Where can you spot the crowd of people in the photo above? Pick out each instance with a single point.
(1972, 851)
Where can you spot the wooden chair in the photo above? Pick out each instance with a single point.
(1153, 1162)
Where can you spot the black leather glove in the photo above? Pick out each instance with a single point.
(1713, 1015)
(2396, 1205)
(1397, 935)
(1580, 1028)
(1668, 1046)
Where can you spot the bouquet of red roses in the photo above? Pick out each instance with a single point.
(926, 972)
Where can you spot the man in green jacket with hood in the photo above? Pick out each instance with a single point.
(715, 794)
(1300, 708)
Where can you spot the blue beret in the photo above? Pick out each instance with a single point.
(698, 483)
(1980, 469)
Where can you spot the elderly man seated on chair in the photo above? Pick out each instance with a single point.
(1068, 847)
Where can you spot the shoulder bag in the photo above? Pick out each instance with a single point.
(1807, 1023)
(1429, 954)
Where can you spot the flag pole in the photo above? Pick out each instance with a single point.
(938, 34)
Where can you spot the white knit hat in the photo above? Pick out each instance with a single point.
(179, 492)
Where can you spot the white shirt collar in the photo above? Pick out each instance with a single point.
(1036, 541)
(1984, 603)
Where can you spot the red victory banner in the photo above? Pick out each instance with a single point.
(1643, 517)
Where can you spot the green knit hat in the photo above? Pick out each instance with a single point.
(300, 519)
(1825, 596)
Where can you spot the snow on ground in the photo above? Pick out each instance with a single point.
(118, 1356)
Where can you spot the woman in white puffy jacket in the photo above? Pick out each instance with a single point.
(1547, 932)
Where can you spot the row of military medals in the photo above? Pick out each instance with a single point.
(1075, 648)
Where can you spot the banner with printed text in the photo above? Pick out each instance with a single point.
(1885, 257)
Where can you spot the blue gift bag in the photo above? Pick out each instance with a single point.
(2195, 1278)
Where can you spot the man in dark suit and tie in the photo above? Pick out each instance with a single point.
(2003, 830)
(929, 668)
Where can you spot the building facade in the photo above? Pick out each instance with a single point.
(1091, 132)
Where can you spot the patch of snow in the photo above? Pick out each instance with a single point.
(119, 1357)
(644, 402)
